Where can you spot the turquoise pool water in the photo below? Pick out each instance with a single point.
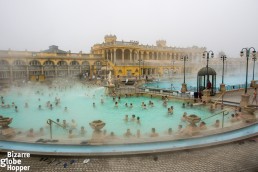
(79, 101)
(191, 81)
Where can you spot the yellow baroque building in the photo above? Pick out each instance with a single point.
(134, 59)
(129, 59)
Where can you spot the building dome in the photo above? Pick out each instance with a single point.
(203, 71)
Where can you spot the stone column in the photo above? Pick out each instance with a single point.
(184, 88)
(130, 56)
(111, 56)
(103, 54)
(42, 70)
(222, 88)
(141, 55)
(136, 56)
(107, 55)
(123, 55)
(114, 55)
(80, 68)
(68, 70)
(147, 56)
(11, 72)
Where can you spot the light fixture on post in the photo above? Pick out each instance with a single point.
(245, 97)
(222, 85)
(184, 85)
(253, 82)
(209, 87)
(206, 55)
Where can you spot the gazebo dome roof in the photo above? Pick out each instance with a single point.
(203, 71)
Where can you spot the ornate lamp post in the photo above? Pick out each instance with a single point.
(184, 86)
(245, 97)
(222, 85)
(206, 92)
(254, 59)
(206, 54)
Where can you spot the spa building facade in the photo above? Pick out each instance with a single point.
(129, 59)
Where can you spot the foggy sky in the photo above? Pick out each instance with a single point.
(219, 25)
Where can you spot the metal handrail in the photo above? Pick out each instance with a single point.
(49, 122)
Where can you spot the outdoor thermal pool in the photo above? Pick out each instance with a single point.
(74, 103)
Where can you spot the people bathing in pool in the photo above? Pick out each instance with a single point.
(31, 133)
(128, 133)
(202, 126)
(16, 109)
(154, 133)
(170, 111)
(82, 131)
(138, 120)
(233, 118)
(116, 104)
(73, 124)
(184, 117)
(126, 118)
(133, 118)
(180, 129)
(58, 121)
(71, 135)
(41, 131)
(165, 103)
(65, 124)
(238, 116)
(170, 131)
(217, 124)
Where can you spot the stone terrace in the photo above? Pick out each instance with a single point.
(234, 157)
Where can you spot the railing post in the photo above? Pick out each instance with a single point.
(223, 119)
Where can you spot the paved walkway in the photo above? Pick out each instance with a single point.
(235, 96)
(233, 157)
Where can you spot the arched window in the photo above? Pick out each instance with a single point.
(34, 63)
(19, 63)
